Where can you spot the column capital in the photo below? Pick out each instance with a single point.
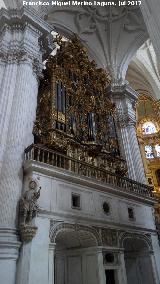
(122, 90)
(52, 246)
(24, 37)
(125, 99)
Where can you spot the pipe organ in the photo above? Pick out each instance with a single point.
(75, 115)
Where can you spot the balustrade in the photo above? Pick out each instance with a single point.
(51, 157)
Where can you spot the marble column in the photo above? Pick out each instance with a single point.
(36, 261)
(21, 38)
(125, 98)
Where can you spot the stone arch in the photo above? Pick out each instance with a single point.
(143, 237)
(138, 253)
(143, 76)
(75, 245)
(74, 228)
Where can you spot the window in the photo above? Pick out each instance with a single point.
(157, 148)
(148, 128)
(149, 152)
(76, 202)
(106, 207)
(131, 214)
(109, 258)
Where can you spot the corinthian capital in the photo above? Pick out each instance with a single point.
(24, 37)
(125, 99)
(123, 118)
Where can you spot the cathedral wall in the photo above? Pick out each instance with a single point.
(56, 199)
(56, 214)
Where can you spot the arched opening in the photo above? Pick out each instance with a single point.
(76, 257)
(138, 261)
(148, 128)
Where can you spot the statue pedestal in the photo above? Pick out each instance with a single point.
(27, 232)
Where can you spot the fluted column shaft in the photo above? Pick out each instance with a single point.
(142, 149)
(21, 65)
(124, 98)
(19, 135)
(20, 68)
(7, 82)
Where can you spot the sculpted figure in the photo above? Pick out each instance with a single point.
(28, 203)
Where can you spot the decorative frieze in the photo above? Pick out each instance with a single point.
(109, 237)
(105, 237)
(123, 119)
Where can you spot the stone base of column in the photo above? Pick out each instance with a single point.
(36, 261)
(9, 252)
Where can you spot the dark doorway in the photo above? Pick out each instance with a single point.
(110, 277)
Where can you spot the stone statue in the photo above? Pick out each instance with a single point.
(28, 210)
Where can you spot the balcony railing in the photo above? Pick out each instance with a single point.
(44, 155)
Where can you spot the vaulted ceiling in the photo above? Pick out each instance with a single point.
(144, 72)
(113, 36)
(112, 33)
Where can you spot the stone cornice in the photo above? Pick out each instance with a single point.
(27, 25)
(120, 90)
(95, 222)
(23, 15)
(34, 166)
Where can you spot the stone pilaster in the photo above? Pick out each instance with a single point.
(51, 263)
(21, 38)
(36, 261)
(122, 271)
(124, 97)
(142, 149)
(101, 270)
